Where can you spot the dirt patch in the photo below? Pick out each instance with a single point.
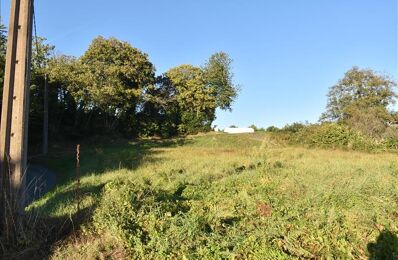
(264, 209)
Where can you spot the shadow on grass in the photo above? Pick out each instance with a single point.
(385, 247)
(42, 232)
(97, 158)
(39, 233)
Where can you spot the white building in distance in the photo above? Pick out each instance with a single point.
(230, 130)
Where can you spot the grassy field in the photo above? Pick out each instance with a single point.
(225, 197)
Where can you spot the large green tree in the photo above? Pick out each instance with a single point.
(362, 100)
(196, 100)
(70, 112)
(219, 77)
(115, 79)
(68, 71)
(360, 89)
(160, 113)
(201, 90)
(42, 53)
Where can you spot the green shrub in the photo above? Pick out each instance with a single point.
(138, 214)
(370, 121)
(272, 129)
(391, 143)
(254, 127)
(194, 123)
(293, 128)
(332, 135)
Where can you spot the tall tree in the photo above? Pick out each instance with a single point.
(219, 77)
(201, 90)
(42, 53)
(196, 99)
(66, 71)
(68, 106)
(160, 113)
(116, 76)
(360, 89)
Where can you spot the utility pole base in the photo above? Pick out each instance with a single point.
(15, 113)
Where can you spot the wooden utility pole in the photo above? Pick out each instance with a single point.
(15, 111)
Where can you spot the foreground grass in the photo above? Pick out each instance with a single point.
(222, 196)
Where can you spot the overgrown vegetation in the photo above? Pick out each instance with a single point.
(222, 196)
(334, 135)
(261, 196)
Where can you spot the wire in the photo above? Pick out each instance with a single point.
(35, 26)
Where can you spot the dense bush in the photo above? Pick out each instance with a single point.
(138, 213)
(242, 200)
(272, 129)
(293, 128)
(254, 127)
(370, 121)
(390, 143)
(335, 135)
(332, 135)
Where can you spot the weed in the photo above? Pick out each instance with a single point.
(224, 197)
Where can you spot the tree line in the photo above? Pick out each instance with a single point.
(113, 89)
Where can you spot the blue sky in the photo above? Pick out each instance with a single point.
(287, 53)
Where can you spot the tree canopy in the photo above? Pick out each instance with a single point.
(196, 100)
(362, 100)
(219, 77)
(359, 89)
(201, 90)
(116, 75)
(113, 89)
